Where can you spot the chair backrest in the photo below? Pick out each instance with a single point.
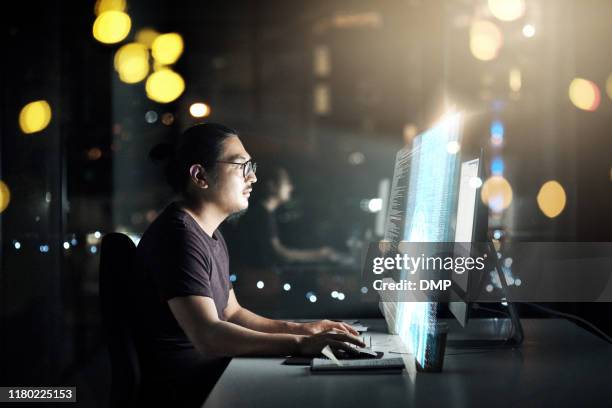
(116, 286)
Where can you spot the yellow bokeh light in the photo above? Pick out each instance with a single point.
(146, 36)
(35, 116)
(164, 86)
(496, 192)
(112, 27)
(109, 5)
(485, 40)
(157, 66)
(515, 80)
(551, 198)
(609, 86)
(132, 62)
(507, 10)
(584, 94)
(5, 196)
(199, 110)
(167, 48)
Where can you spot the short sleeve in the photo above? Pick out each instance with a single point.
(185, 268)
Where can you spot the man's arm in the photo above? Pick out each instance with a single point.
(197, 316)
(245, 318)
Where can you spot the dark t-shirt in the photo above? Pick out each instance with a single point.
(175, 257)
(256, 229)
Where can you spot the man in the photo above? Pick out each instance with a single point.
(259, 244)
(188, 318)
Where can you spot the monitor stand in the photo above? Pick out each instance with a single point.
(490, 332)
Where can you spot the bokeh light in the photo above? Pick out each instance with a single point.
(94, 153)
(410, 132)
(112, 27)
(109, 5)
(322, 99)
(158, 66)
(515, 80)
(35, 116)
(475, 182)
(609, 86)
(551, 198)
(167, 48)
(453, 147)
(375, 205)
(322, 61)
(584, 94)
(528, 30)
(497, 166)
(497, 133)
(167, 119)
(507, 10)
(486, 40)
(146, 36)
(356, 158)
(132, 62)
(164, 86)
(496, 192)
(151, 116)
(5, 198)
(199, 110)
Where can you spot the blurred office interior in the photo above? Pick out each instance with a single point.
(330, 90)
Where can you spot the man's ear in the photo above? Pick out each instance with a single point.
(198, 175)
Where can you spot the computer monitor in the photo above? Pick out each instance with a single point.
(423, 196)
(469, 212)
(471, 225)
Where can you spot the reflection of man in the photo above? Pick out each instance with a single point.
(186, 312)
(261, 244)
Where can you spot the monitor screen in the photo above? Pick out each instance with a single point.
(469, 183)
(423, 195)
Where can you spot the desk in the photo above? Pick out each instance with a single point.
(559, 364)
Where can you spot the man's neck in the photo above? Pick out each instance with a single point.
(208, 215)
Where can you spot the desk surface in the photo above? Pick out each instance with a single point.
(559, 364)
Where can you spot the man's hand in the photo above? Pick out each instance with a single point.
(312, 345)
(325, 326)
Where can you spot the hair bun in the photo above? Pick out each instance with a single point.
(162, 151)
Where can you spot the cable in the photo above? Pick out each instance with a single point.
(476, 306)
(573, 317)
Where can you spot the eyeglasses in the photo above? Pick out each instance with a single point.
(247, 167)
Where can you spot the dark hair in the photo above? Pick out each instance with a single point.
(200, 144)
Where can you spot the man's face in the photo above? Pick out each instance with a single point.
(231, 190)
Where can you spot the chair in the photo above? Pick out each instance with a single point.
(116, 283)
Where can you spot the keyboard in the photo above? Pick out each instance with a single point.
(383, 364)
(358, 353)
